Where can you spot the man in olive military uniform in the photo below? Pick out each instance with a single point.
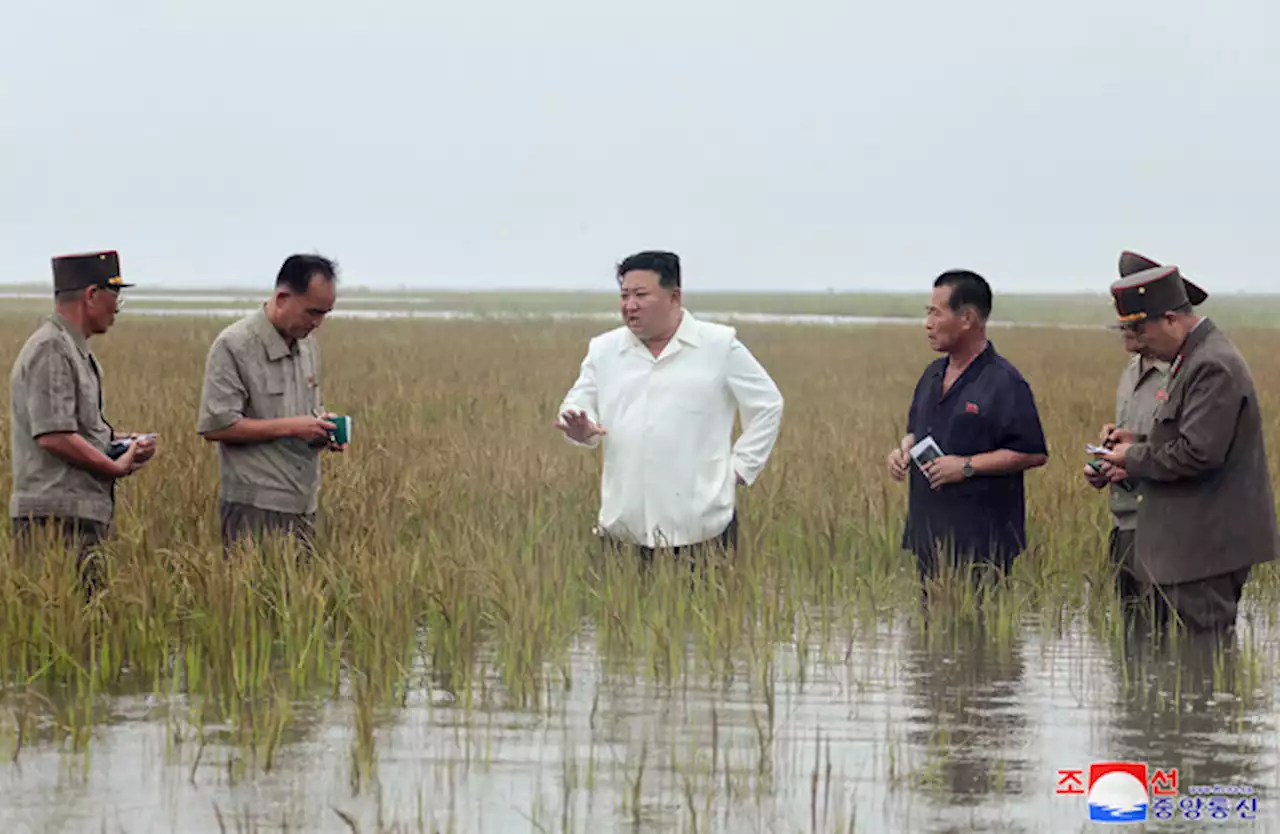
(1206, 513)
(261, 404)
(1136, 403)
(66, 456)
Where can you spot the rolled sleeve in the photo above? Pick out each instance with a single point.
(921, 383)
(1022, 431)
(51, 393)
(224, 395)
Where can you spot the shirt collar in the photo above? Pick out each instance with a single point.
(277, 347)
(1147, 364)
(940, 364)
(82, 344)
(687, 334)
(1202, 330)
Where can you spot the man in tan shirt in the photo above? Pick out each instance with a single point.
(1135, 404)
(66, 457)
(261, 403)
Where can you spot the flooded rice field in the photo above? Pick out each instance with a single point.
(458, 658)
(903, 730)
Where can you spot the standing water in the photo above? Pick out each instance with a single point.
(897, 730)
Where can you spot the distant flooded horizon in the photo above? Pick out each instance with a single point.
(29, 290)
(204, 298)
(36, 290)
(726, 316)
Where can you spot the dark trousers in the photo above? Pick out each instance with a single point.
(1120, 545)
(697, 553)
(242, 521)
(79, 534)
(982, 570)
(1205, 606)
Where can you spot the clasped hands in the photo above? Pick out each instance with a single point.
(140, 450)
(948, 469)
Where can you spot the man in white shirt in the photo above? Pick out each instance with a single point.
(660, 394)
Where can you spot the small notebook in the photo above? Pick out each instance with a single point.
(925, 451)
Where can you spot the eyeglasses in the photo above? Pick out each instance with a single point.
(117, 297)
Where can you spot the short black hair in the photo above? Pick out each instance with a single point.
(67, 296)
(666, 264)
(967, 288)
(297, 270)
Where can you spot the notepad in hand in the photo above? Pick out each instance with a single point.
(925, 451)
(118, 447)
(341, 433)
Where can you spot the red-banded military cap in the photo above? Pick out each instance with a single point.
(1147, 289)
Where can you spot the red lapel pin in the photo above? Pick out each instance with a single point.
(972, 408)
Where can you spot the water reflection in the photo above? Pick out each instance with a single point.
(959, 727)
(1190, 705)
(966, 686)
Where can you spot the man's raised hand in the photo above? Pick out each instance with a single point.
(577, 427)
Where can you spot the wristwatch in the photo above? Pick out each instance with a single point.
(968, 468)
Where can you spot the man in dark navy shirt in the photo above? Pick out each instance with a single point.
(967, 507)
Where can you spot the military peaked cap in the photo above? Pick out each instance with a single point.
(1147, 290)
(91, 269)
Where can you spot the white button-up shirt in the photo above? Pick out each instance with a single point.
(670, 473)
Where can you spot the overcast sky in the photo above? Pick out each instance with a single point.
(776, 145)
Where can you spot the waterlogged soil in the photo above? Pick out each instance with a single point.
(900, 730)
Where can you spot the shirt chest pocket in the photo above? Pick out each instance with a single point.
(693, 390)
(972, 431)
(271, 399)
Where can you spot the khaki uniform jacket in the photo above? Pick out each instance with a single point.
(1207, 504)
(56, 386)
(251, 371)
(1135, 406)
